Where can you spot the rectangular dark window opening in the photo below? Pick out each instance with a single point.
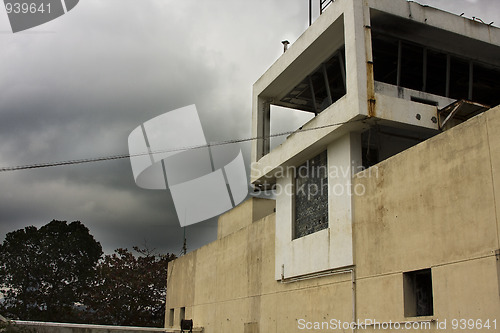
(311, 196)
(406, 64)
(436, 73)
(486, 85)
(385, 59)
(459, 79)
(412, 67)
(171, 318)
(417, 289)
(182, 315)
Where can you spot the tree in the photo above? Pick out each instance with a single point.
(44, 272)
(129, 290)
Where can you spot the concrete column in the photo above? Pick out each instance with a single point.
(356, 18)
(344, 159)
(284, 223)
(261, 127)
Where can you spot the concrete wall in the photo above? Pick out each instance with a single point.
(432, 206)
(229, 286)
(247, 213)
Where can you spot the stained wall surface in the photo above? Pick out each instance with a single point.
(433, 207)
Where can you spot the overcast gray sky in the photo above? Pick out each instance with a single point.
(77, 86)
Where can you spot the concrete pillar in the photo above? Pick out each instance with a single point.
(344, 159)
(261, 127)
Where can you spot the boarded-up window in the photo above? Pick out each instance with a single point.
(311, 196)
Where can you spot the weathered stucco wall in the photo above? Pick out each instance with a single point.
(432, 206)
(229, 285)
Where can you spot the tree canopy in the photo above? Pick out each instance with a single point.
(129, 290)
(45, 271)
(58, 273)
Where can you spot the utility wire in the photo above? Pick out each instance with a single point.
(123, 156)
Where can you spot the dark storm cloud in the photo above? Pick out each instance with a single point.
(76, 87)
(79, 86)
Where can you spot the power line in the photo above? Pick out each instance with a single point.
(123, 156)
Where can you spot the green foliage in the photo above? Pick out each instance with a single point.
(44, 272)
(129, 290)
(57, 273)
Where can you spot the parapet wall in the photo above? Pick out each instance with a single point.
(244, 215)
(43, 327)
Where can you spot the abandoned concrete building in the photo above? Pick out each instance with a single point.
(386, 205)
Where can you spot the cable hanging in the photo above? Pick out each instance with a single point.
(123, 156)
